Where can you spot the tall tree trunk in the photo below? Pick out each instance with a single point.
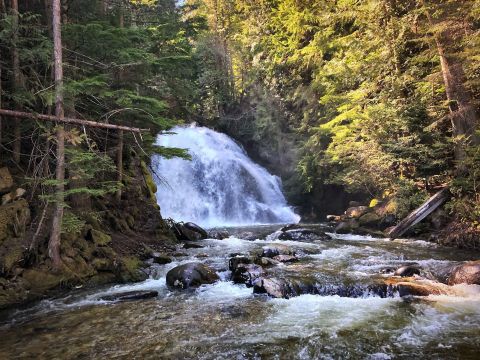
(118, 195)
(463, 114)
(16, 80)
(2, 13)
(54, 243)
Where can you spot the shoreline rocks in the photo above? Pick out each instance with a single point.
(191, 275)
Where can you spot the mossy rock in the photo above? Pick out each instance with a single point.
(369, 219)
(40, 280)
(11, 254)
(100, 238)
(152, 187)
(130, 270)
(6, 180)
(103, 264)
(101, 278)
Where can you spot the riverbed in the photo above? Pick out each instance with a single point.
(227, 320)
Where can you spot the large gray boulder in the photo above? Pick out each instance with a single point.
(191, 275)
(467, 273)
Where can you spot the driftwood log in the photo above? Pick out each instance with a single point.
(420, 213)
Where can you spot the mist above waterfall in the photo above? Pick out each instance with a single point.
(220, 186)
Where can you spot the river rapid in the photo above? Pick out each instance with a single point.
(227, 320)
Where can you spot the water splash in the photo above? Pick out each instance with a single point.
(220, 186)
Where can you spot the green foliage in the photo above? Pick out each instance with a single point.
(72, 224)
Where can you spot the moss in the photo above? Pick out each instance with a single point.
(130, 269)
(151, 186)
(13, 218)
(11, 253)
(100, 238)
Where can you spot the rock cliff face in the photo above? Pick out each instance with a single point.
(109, 242)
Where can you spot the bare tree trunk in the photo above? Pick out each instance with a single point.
(54, 243)
(118, 195)
(463, 114)
(16, 79)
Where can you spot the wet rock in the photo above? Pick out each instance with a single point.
(290, 227)
(273, 250)
(272, 287)
(285, 258)
(407, 271)
(234, 262)
(179, 254)
(347, 226)
(130, 295)
(357, 211)
(195, 228)
(246, 274)
(6, 180)
(191, 275)
(218, 234)
(418, 289)
(298, 234)
(201, 256)
(467, 273)
(192, 245)
(161, 259)
(265, 261)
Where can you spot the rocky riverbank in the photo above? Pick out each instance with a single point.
(107, 243)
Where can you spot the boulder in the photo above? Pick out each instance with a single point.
(334, 218)
(161, 259)
(273, 250)
(6, 180)
(407, 271)
(197, 229)
(346, 227)
(369, 219)
(235, 261)
(290, 227)
(285, 258)
(191, 275)
(357, 211)
(130, 295)
(272, 287)
(246, 274)
(467, 273)
(265, 261)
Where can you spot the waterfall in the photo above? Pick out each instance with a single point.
(220, 186)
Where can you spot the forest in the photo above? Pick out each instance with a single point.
(350, 114)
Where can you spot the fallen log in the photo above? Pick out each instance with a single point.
(420, 213)
(89, 123)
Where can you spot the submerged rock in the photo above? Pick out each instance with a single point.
(131, 295)
(235, 261)
(346, 227)
(191, 275)
(467, 273)
(192, 245)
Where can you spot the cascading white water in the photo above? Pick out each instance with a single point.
(220, 186)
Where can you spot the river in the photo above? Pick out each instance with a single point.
(226, 320)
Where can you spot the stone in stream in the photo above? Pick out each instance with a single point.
(235, 261)
(272, 287)
(264, 261)
(218, 234)
(285, 258)
(195, 228)
(161, 259)
(298, 234)
(407, 271)
(130, 295)
(467, 273)
(273, 250)
(347, 226)
(191, 275)
(247, 274)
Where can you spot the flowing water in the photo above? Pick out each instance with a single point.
(226, 320)
(220, 186)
